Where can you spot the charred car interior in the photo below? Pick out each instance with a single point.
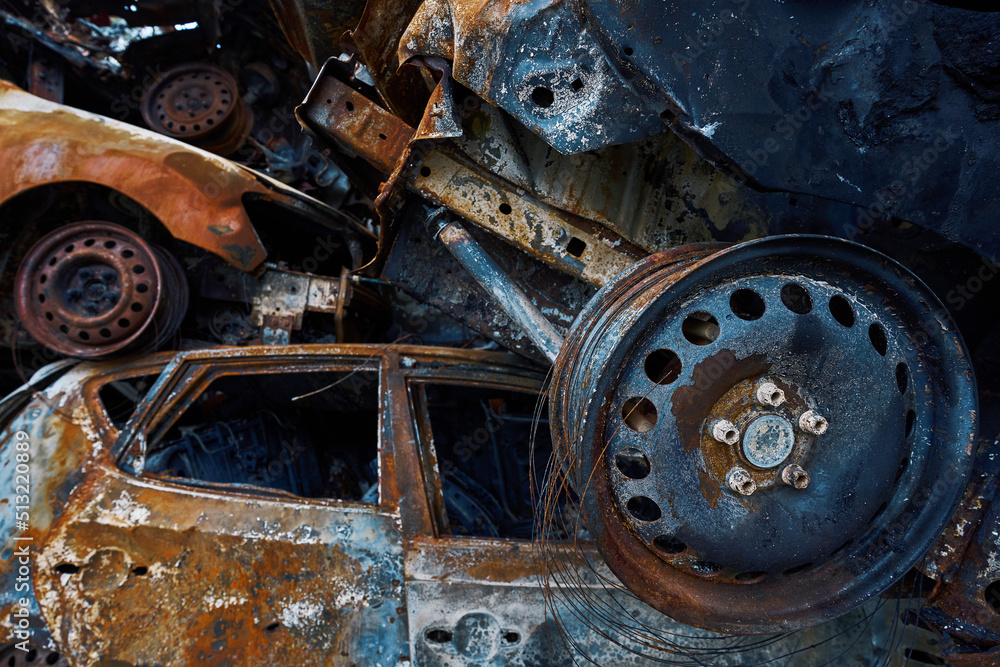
(457, 332)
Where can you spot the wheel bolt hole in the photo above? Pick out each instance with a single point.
(639, 414)
(992, 594)
(662, 366)
(669, 544)
(542, 97)
(902, 377)
(876, 334)
(747, 304)
(841, 310)
(700, 328)
(796, 298)
(632, 463)
(643, 509)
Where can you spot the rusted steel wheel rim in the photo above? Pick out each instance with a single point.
(199, 104)
(765, 436)
(91, 289)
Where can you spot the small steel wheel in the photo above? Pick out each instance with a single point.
(92, 289)
(200, 104)
(768, 435)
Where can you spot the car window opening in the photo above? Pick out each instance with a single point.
(248, 430)
(482, 439)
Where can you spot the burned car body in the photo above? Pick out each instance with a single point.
(283, 557)
(756, 244)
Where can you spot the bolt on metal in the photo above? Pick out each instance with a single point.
(740, 481)
(769, 394)
(725, 431)
(813, 422)
(794, 475)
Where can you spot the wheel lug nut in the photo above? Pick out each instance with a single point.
(725, 431)
(794, 475)
(112, 297)
(108, 276)
(813, 422)
(769, 394)
(74, 294)
(86, 274)
(740, 481)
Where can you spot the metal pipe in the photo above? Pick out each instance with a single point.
(492, 278)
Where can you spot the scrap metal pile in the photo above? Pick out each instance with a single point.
(455, 332)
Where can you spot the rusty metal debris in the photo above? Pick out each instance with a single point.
(441, 333)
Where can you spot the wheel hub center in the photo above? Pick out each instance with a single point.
(95, 289)
(768, 441)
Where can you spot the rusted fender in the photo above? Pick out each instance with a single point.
(195, 194)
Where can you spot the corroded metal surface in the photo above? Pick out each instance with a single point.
(355, 123)
(198, 196)
(782, 557)
(314, 27)
(199, 104)
(91, 289)
(195, 194)
(249, 577)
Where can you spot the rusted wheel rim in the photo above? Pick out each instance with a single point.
(200, 104)
(91, 289)
(672, 348)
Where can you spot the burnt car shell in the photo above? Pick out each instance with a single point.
(124, 563)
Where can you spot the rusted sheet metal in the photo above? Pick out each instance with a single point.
(561, 87)
(252, 581)
(965, 607)
(314, 27)
(195, 194)
(355, 122)
(571, 244)
(198, 196)
(374, 40)
(590, 215)
(655, 193)
(945, 558)
(442, 175)
(238, 575)
(57, 428)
